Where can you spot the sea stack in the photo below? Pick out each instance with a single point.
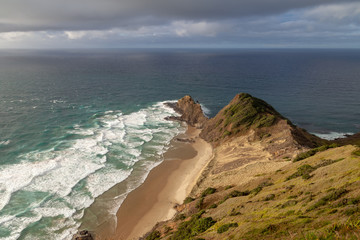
(190, 111)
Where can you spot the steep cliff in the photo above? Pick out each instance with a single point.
(268, 179)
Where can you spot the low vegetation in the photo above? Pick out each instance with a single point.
(312, 152)
(305, 170)
(332, 196)
(190, 229)
(249, 111)
(225, 227)
(356, 152)
(154, 235)
(317, 199)
(208, 191)
(188, 200)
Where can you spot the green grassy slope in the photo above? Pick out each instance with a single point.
(314, 198)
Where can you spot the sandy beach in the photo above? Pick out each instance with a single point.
(166, 185)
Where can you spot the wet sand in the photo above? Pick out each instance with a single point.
(166, 185)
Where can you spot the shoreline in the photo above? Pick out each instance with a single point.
(167, 185)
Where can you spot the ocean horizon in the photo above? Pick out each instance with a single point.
(74, 123)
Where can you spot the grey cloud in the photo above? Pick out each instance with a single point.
(43, 15)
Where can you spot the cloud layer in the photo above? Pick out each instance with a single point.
(237, 23)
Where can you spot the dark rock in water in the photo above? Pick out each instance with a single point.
(83, 235)
(188, 140)
(172, 118)
(349, 139)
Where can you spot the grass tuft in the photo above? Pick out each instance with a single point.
(208, 191)
(304, 155)
(225, 227)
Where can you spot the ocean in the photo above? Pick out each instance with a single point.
(74, 123)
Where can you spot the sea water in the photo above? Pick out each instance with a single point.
(74, 123)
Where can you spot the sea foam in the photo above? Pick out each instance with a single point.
(332, 135)
(96, 159)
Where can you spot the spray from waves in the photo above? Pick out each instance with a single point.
(332, 135)
(5, 142)
(52, 188)
(205, 110)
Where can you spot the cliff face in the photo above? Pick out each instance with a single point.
(258, 187)
(190, 111)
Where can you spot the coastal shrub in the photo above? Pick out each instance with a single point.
(265, 121)
(264, 135)
(269, 229)
(327, 162)
(213, 205)
(351, 211)
(228, 187)
(208, 191)
(199, 203)
(219, 122)
(250, 112)
(304, 155)
(226, 133)
(167, 229)
(348, 201)
(188, 200)
(289, 203)
(256, 190)
(180, 216)
(356, 153)
(234, 212)
(154, 235)
(269, 197)
(235, 193)
(189, 229)
(225, 227)
(348, 230)
(303, 171)
(336, 194)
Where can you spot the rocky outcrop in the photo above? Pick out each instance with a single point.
(245, 114)
(190, 111)
(83, 235)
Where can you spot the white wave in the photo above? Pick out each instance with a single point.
(57, 101)
(332, 135)
(17, 225)
(104, 179)
(5, 142)
(85, 162)
(206, 111)
(18, 176)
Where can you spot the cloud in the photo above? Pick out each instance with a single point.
(45, 15)
(203, 28)
(14, 36)
(336, 13)
(164, 23)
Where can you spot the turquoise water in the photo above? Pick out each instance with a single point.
(75, 123)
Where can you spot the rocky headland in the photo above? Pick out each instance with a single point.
(267, 179)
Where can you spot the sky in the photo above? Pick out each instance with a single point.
(179, 24)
